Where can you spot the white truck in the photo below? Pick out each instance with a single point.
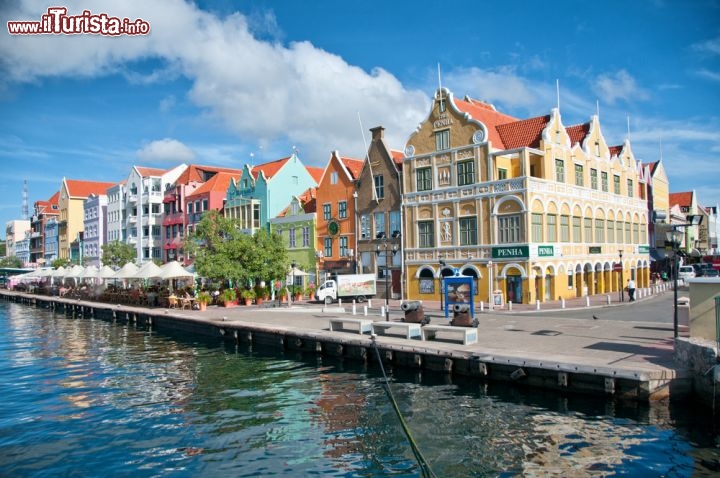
(347, 287)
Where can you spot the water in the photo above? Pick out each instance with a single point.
(85, 397)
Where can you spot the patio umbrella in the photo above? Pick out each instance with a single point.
(74, 273)
(148, 270)
(105, 272)
(58, 273)
(126, 271)
(175, 270)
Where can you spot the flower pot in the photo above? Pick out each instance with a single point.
(259, 300)
(202, 305)
(248, 301)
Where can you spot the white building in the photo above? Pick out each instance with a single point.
(15, 231)
(95, 227)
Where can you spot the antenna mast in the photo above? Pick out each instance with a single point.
(25, 211)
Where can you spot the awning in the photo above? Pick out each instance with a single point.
(657, 254)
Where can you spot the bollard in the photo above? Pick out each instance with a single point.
(339, 302)
(537, 304)
(587, 301)
(482, 306)
(607, 299)
(509, 305)
(382, 311)
(354, 310)
(562, 302)
(370, 303)
(365, 310)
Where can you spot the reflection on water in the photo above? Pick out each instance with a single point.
(88, 397)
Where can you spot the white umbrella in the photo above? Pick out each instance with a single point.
(105, 272)
(126, 272)
(90, 272)
(297, 272)
(174, 270)
(58, 273)
(147, 271)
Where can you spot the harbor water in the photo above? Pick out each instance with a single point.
(84, 397)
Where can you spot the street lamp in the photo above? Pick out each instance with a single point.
(674, 237)
(442, 266)
(386, 250)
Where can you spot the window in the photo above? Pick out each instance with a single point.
(611, 231)
(593, 178)
(344, 252)
(604, 180)
(334, 177)
(365, 226)
(588, 230)
(442, 140)
(502, 173)
(628, 238)
(327, 243)
(379, 223)
(327, 211)
(155, 232)
(306, 236)
(379, 186)
(468, 231)
(630, 187)
(560, 170)
(291, 238)
(509, 230)
(619, 231)
(394, 222)
(616, 184)
(579, 175)
(466, 173)
(537, 227)
(205, 205)
(636, 233)
(426, 233)
(552, 228)
(424, 179)
(342, 209)
(600, 231)
(565, 228)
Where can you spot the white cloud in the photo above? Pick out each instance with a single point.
(619, 86)
(263, 90)
(710, 75)
(167, 103)
(710, 46)
(166, 150)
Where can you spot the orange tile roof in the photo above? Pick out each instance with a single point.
(147, 172)
(219, 182)
(683, 199)
(486, 114)
(54, 198)
(82, 189)
(197, 173)
(308, 200)
(397, 157)
(269, 169)
(315, 172)
(354, 166)
(578, 133)
(524, 133)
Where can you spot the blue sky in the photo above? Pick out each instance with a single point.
(230, 82)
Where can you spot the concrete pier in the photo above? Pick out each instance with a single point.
(627, 360)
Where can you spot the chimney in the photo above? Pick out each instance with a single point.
(378, 133)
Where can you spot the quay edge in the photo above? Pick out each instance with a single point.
(440, 357)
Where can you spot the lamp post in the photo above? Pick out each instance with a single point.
(292, 274)
(386, 250)
(620, 289)
(442, 266)
(674, 237)
(490, 279)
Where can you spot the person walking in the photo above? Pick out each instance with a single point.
(631, 289)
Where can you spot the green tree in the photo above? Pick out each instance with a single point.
(223, 252)
(11, 261)
(59, 262)
(117, 254)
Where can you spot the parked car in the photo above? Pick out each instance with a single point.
(711, 273)
(686, 272)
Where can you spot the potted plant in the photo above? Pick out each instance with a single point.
(261, 294)
(297, 293)
(248, 295)
(228, 297)
(310, 291)
(203, 299)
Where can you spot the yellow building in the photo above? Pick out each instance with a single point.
(532, 209)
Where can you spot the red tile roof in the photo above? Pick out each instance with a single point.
(199, 173)
(615, 150)
(82, 189)
(397, 157)
(219, 182)
(354, 166)
(315, 172)
(486, 114)
(651, 166)
(683, 199)
(269, 169)
(525, 133)
(578, 133)
(308, 200)
(54, 198)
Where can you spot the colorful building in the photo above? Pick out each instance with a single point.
(73, 194)
(43, 211)
(532, 209)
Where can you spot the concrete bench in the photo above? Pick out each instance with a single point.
(469, 334)
(363, 325)
(410, 329)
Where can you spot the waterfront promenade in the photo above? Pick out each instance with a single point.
(635, 344)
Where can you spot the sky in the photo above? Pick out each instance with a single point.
(229, 83)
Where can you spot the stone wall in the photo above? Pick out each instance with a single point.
(700, 357)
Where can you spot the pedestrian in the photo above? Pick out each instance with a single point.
(631, 289)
